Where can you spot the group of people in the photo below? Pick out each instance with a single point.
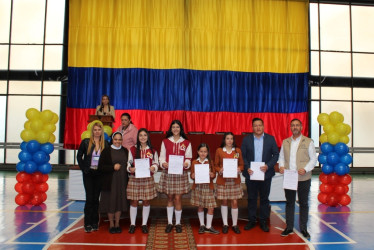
(111, 172)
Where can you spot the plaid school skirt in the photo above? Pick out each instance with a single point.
(141, 188)
(173, 183)
(229, 191)
(203, 196)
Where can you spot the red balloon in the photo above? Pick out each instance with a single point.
(42, 187)
(333, 179)
(322, 197)
(22, 199)
(36, 199)
(333, 200)
(45, 177)
(18, 187)
(345, 179)
(346, 188)
(345, 200)
(28, 187)
(340, 189)
(44, 196)
(23, 177)
(37, 177)
(326, 188)
(323, 178)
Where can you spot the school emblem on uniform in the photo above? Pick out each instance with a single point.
(149, 155)
(236, 156)
(182, 147)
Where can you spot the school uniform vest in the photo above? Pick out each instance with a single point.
(173, 148)
(148, 153)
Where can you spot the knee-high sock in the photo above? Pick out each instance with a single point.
(234, 215)
(224, 212)
(145, 214)
(170, 211)
(201, 218)
(178, 215)
(209, 218)
(133, 212)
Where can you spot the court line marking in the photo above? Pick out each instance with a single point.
(251, 245)
(73, 230)
(36, 224)
(98, 244)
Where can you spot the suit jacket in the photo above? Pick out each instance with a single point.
(270, 154)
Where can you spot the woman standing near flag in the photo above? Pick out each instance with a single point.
(105, 108)
(128, 130)
(174, 185)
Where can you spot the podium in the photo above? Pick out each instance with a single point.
(105, 119)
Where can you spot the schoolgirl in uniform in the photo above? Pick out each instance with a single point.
(229, 188)
(203, 193)
(174, 185)
(141, 188)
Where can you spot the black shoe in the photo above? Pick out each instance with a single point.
(202, 229)
(305, 234)
(286, 232)
(118, 230)
(144, 229)
(178, 228)
(225, 229)
(236, 229)
(132, 229)
(211, 230)
(88, 229)
(112, 230)
(95, 227)
(168, 228)
(264, 227)
(250, 225)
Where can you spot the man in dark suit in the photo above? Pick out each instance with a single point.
(259, 147)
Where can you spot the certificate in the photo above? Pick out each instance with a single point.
(230, 168)
(257, 175)
(142, 168)
(290, 179)
(202, 173)
(175, 164)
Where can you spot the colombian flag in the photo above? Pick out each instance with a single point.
(213, 64)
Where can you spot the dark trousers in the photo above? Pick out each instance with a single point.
(92, 186)
(303, 188)
(263, 189)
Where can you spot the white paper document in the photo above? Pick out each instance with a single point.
(202, 173)
(230, 168)
(290, 179)
(142, 168)
(257, 175)
(175, 164)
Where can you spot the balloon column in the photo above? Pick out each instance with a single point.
(335, 159)
(107, 130)
(33, 168)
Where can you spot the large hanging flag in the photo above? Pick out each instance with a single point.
(214, 65)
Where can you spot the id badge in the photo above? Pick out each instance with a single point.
(96, 158)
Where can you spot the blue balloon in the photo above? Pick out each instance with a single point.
(333, 158)
(346, 159)
(23, 146)
(33, 146)
(106, 137)
(347, 169)
(327, 169)
(30, 167)
(340, 169)
(322, 158)
(24, 156)
(47, 148)
(20, 166)
(326, 148)
(45, 168)
(341, 148)
(40, 157)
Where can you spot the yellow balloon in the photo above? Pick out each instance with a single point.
(50, 127)
(108, 130)
(32, 114)
(333, 138)
(89, 126)
(52, 138)
(27, 135)
(27, 125)
(344, 139)
(348, 129)
(336, 117)
(46, 116)
(85, 134)
(36, 125)
(323, 138)
(328, 128)
(54, 119)
(42, 136)
(323, 118)
(340, 128)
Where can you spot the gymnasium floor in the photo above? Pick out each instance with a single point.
(58, 223)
